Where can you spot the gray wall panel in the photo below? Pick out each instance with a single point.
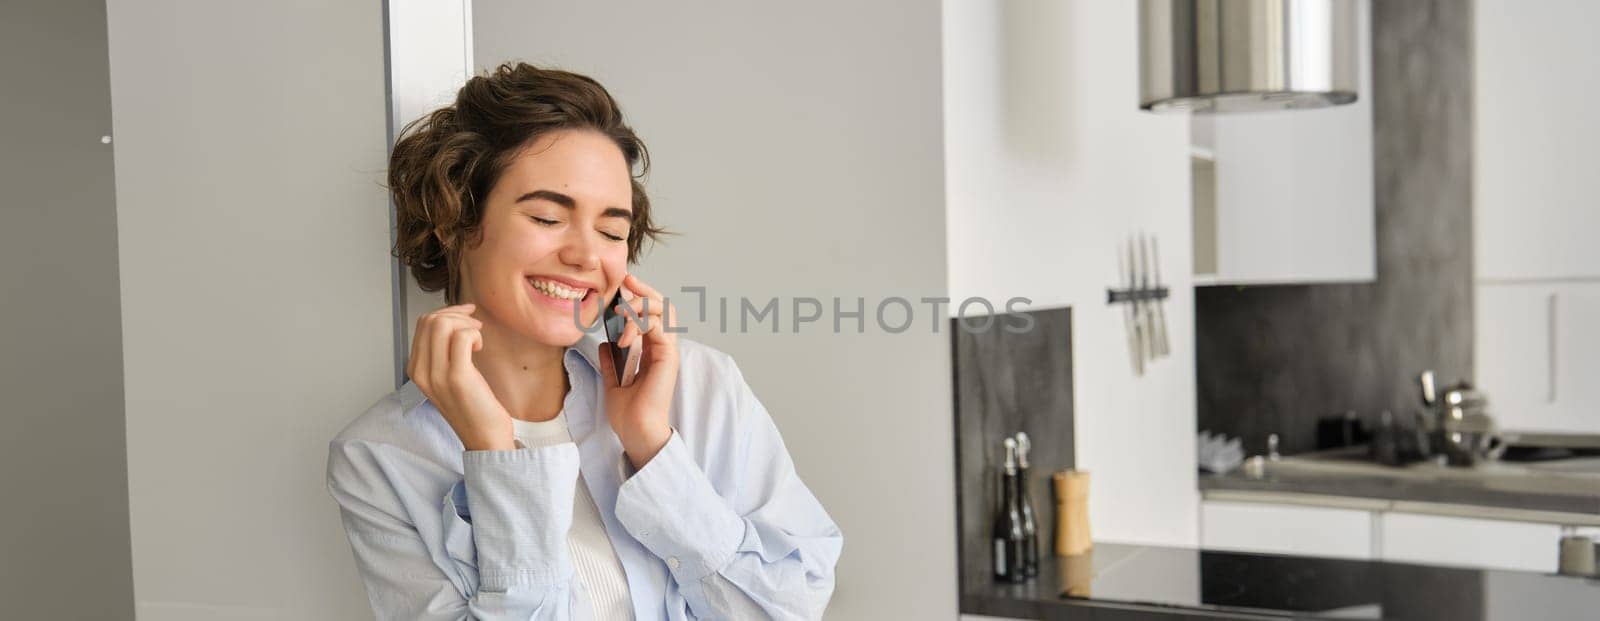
(63, 467)
(253, 245)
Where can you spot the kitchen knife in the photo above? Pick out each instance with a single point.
(1138, 336)
(1146, 321)
(1163, 347)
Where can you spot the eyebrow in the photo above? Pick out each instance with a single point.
(566, 201)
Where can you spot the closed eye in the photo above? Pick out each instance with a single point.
(612, 237)
(544, 221)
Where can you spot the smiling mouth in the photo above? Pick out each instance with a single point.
(559, 291)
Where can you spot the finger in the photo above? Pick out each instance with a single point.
(444, 326)
(662, 349)
(419, 354)
(457, 311)
(668, 315)
(645, 305)
(636, 285)
(641, 312)
(459, 317)
(421, 362)
(462, 342)
(439, 342)
(629, 328)
(657, 319)
(657, 334)
(666, 322)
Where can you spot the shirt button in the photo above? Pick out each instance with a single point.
(644, 533)
(672, 562)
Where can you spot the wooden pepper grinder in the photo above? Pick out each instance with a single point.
(1072, 512)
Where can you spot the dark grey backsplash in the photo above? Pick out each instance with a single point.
(1274, 359)
(1006, 383)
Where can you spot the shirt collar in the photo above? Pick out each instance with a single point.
(588, 348)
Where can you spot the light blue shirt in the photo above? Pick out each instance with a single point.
(716, 526)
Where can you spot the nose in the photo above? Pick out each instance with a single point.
(578, 250)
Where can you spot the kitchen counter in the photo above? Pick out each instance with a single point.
(1119, 581)
(1565, 491)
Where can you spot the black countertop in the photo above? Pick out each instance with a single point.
(1119, 581)
(1571, 486)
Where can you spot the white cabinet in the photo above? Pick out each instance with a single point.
(1386, 531)
(1286, 529)
(1538, 354)
(1287, 197)
(1536, 191)
(1471, 542)
(1536, 204)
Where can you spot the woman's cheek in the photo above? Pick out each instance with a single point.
(615, 269)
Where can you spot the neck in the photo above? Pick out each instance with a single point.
(529, 378)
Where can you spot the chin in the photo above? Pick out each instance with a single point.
(555, 338)
(553, 329)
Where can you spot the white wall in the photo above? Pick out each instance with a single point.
(256, 303)
(1049, 165)
(797, 146)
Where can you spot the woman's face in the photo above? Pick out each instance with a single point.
(555, 233)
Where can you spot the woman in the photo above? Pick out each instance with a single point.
(512, 477)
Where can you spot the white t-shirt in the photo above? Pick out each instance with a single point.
(592, 555)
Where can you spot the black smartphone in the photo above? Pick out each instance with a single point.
(624, 359)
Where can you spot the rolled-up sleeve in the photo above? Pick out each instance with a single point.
(504, 553)
(768, 553)
(671, 508)
(520, 505)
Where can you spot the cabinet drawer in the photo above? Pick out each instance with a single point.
(1286, 529)
(1471, 542)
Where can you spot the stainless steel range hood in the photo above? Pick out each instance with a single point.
(1219, 56)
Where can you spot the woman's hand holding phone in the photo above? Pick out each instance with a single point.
(441, 365)
(638, 412)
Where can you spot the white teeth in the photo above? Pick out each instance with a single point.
(559, 291)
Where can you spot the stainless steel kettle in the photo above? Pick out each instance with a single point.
(1460, 426)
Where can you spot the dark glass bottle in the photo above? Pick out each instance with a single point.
(1008, 540)
(1030, 528)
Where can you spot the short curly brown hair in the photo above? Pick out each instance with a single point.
(446, 162)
